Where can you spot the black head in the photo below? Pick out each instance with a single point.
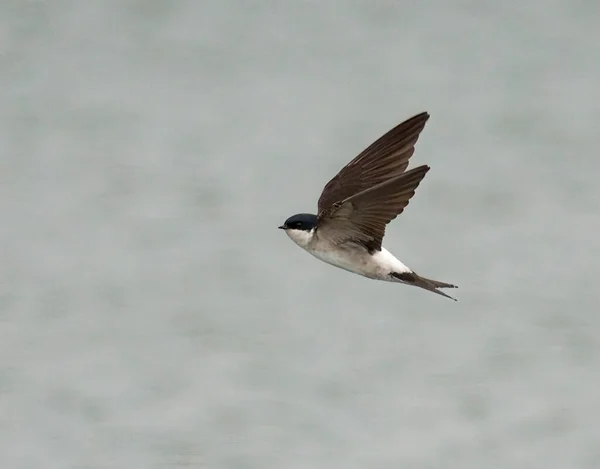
(302, 221)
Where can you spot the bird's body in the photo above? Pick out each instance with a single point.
(358, 203)
(350, 256)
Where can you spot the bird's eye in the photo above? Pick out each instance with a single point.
(299, 225)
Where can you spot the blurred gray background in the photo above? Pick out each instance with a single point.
(152, 315)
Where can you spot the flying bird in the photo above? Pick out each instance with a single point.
(357, 204)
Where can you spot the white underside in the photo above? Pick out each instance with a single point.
(376, 266)
(351, 257)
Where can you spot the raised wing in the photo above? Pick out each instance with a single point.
(384, 159)
(362, 218)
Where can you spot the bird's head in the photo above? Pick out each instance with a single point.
(300, 228)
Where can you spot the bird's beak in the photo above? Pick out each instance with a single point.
(281, 227)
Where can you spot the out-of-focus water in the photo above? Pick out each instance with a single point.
(152, 315)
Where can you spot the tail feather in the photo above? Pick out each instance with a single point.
(411, 278)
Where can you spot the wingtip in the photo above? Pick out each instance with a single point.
(424, 168)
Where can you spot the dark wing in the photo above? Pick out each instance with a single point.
(362, 217)
(384, 159)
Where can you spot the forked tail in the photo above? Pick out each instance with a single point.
(411, 278)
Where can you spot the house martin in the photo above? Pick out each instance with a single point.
(357, 204)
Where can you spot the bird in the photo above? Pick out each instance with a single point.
(356, 205)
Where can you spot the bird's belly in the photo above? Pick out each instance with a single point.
(356, 261)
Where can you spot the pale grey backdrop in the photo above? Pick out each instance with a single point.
(152, 315)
